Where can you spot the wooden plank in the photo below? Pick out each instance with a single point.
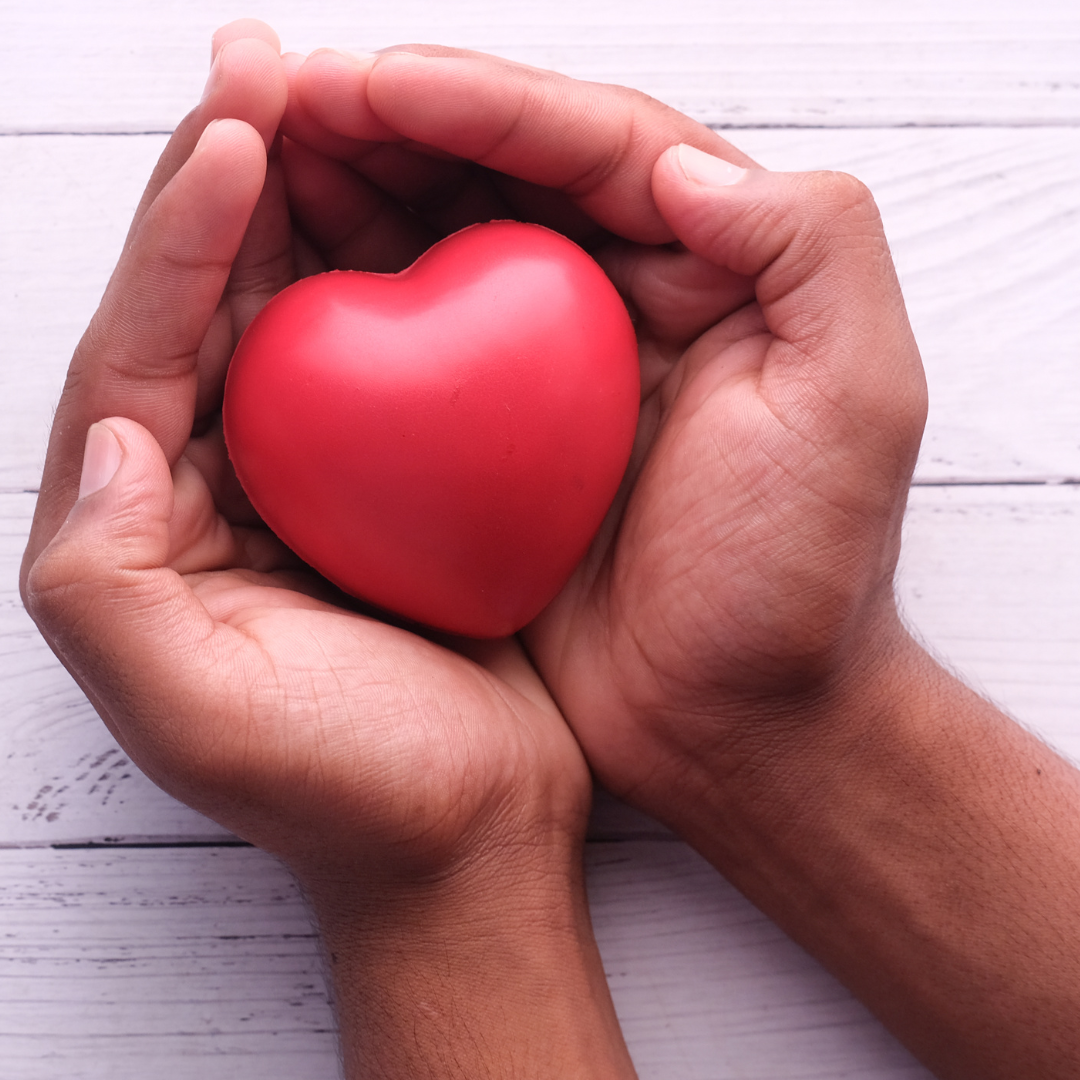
(201, 964)
(985, 226)
(707, 988)
(114, 65)
(989, 579)
(66, 208)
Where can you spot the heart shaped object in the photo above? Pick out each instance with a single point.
(443, 442)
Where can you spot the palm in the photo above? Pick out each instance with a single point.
(750, 540)
(343, 726)
(385, 737)
(696, 592)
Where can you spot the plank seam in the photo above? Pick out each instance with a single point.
(605, 837)
(987, 125)
(1056, 481)
(108, 845)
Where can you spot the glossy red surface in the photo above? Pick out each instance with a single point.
(443, 442)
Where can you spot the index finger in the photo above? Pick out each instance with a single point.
(596, 143)
(246, 82)
(138, 359)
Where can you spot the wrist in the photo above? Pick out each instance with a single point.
(788, 771)
(749, 751)
(785, 765)
(487, 971)
(924, 847)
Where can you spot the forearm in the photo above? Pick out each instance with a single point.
(494, 974)
(927, 849)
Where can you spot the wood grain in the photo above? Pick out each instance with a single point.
(193, 963)
(984, 224)
(202, 964)
(66, 208)
(707, 988)
(985, 230)
(119, 66)
(989, 580)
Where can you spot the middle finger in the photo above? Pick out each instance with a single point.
(328, 113)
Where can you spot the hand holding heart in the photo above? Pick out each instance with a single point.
(744, 565)
(727, 653)
(753, 538)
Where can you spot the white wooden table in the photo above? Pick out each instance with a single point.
(135, 937)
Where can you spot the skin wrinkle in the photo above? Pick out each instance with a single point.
(416, 711)
(317, 774)
(378, 214)
(593, 179)
(718, 542)
(779, 458)
(443, 185)
(678, 338)
(526, 97)
(254, 788)
(260, 279)
(185, 255)
(122, 354)
(816, 335)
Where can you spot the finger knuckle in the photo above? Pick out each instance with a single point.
(62, 609)
(844, 195)
(49, 590)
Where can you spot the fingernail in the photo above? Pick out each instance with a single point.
(214, 76)
(101, 459)
(706, 169)
(345, 55)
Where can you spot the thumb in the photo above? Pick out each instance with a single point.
(842, 348)
(100, 592)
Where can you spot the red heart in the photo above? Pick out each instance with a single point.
(443, 442)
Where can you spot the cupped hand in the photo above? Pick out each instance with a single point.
(744, 573)
(233, 675)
